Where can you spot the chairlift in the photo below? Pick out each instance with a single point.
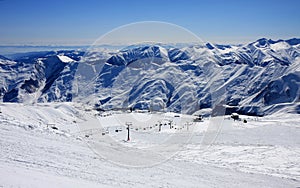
(119, 129)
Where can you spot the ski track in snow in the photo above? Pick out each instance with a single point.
(243, 155)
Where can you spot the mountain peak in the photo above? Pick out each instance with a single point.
(256, 76)
(293, 41)
(209, 46)
(263, 42)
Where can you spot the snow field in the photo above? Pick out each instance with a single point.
(261, 153)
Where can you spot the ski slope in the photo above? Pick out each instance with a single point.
(57, 145)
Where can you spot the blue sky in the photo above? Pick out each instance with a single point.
(81, 22)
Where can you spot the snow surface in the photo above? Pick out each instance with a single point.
(65, 59)
(264, 152)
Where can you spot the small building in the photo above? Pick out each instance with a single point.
(198, 118)
(235, 116)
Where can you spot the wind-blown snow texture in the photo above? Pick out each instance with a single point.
(255, 79)
(262, 153)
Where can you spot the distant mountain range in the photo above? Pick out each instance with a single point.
(258, 78)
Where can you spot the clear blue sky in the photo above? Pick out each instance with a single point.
(221, 21)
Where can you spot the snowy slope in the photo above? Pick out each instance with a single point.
(202, 76)
(30, 77)
(65, 59)
(256, 79)
(262, 153)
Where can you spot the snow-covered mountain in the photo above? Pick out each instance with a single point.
(255, 79)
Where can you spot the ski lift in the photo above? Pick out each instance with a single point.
(119, 129)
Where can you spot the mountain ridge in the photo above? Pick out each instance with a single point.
(253, 77)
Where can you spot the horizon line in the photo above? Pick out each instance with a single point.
(88, 44)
